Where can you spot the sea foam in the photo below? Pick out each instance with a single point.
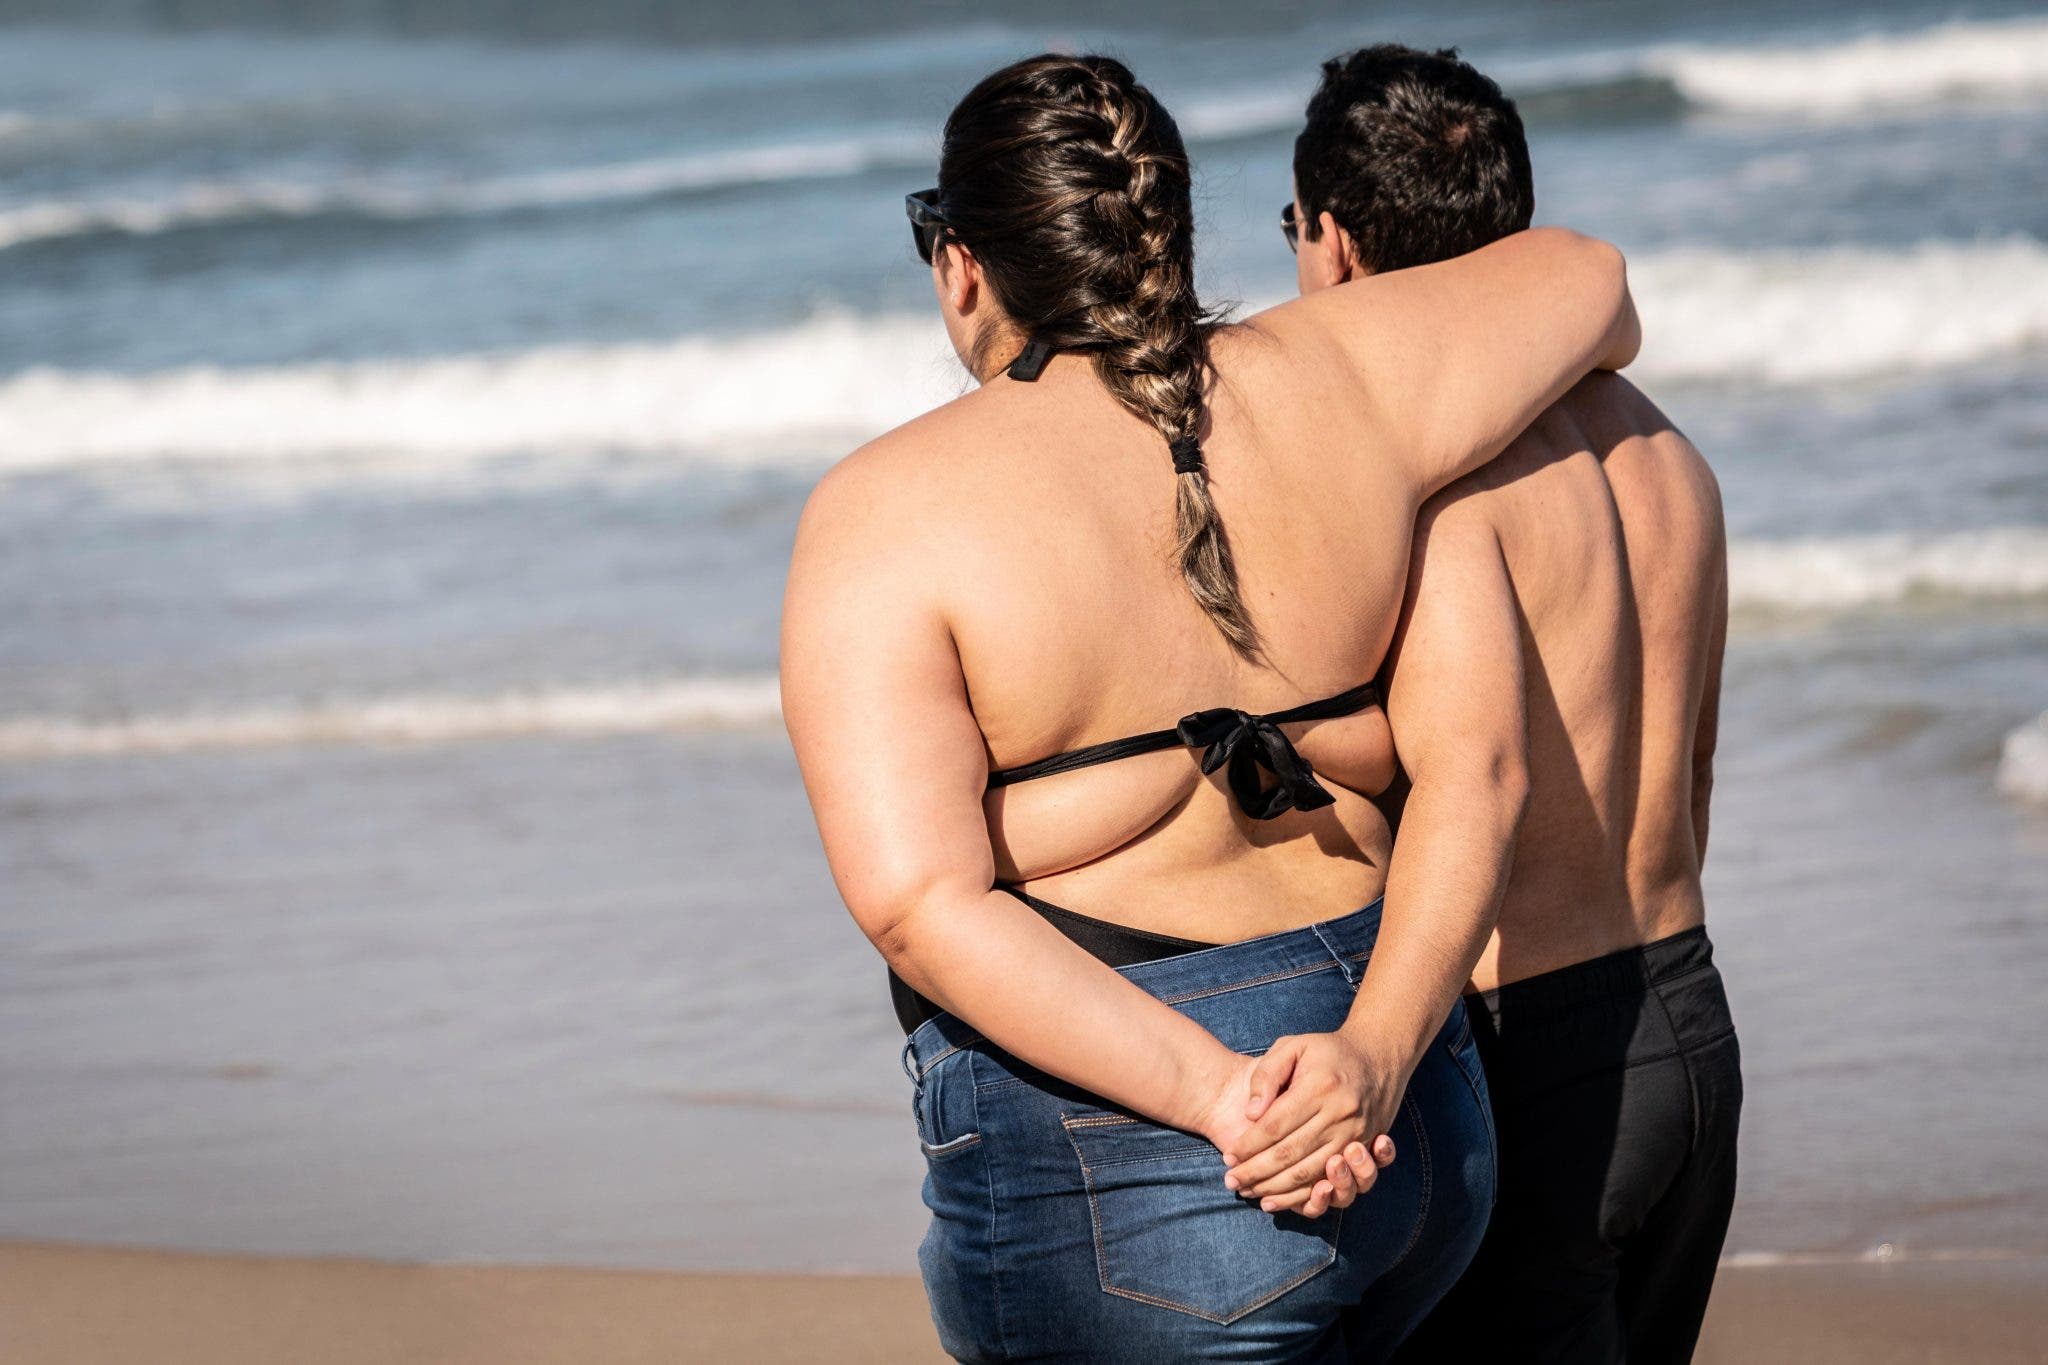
(1964, 60)
(813, 390)
(1873, 73)
(1839, 572)
(2023, 761)
(203, 204)
(824, 385)
(1797, 317)
(621, 708)
(1818, 573)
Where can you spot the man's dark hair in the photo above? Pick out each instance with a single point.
(1415, 154)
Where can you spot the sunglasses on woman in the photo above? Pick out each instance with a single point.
(927, 224)
(1290, 228)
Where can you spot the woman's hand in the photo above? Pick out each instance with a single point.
(1313, 1100)
(1224, 1112)
(1346, 1176)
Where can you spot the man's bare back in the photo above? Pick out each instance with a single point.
(1609, 524)
(1552, 694)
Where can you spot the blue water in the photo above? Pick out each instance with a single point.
(402, 426)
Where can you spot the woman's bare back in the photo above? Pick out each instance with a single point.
(1051, 528)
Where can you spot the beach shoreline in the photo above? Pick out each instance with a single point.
(177, 1308)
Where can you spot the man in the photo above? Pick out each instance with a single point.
(1561, 641)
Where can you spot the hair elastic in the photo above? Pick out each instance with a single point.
(1030, 362)
(1187, 454)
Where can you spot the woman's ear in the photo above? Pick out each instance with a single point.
(959, 278)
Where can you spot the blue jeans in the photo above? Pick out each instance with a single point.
(1064, 1229)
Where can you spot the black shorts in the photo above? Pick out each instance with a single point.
(1617, 1089)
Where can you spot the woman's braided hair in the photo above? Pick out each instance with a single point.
(1069, 183)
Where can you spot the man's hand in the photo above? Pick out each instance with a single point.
(1314, 1100)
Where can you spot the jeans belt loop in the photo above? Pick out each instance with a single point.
(1344, 964)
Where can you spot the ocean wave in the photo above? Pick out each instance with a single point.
(1964, 61)
(1798, 317)
(228, 203)
(1991, 59)
(623, 708)
(814, 390)
(2023, 761)
(1837, 572)
(823, 386)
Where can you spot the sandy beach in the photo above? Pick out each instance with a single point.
(175, 1308)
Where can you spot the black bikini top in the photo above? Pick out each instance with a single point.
(1247, 743)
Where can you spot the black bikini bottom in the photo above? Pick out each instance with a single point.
(1111, 943)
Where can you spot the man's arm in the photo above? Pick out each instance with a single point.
(1457, 710)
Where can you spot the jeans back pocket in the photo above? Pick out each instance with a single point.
(1169, 1234)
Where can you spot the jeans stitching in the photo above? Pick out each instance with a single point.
(1013, 1082)
(995, 1216)
(1422, 1207)
(1480, 1086)
(1138, 1296)
(1184, 997)
(939, 1151)
(1194, 1145)
(1178, 1152)
(1207, 991)
(926, 1070)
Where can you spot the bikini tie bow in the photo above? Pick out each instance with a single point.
(1252, 745)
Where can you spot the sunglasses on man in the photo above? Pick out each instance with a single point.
(1290, 228)
(927, 225)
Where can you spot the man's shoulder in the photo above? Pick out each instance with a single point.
(1637, 444)
(1487, 491)
(1603, 439)
(1610, 410)
(1663, 490)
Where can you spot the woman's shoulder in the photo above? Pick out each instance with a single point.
(905, 482)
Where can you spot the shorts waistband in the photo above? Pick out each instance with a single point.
(1627, 972)
(1346, 942)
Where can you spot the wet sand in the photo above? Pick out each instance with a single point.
(64, 1305)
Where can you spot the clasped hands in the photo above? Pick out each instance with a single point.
(1303, 1129)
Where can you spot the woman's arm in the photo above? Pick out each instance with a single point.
(1458, 358)
(895, 765)
(1456, 705)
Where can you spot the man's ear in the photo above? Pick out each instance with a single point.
(1342, 251)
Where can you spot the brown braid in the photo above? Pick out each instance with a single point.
(1069, 183)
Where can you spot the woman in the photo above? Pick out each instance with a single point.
(981, 601)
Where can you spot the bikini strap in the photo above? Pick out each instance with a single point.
(1252, 747)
